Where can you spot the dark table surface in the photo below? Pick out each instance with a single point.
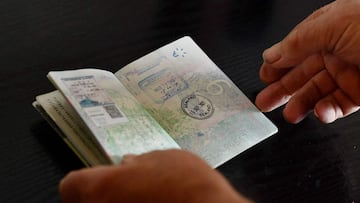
(307, 162)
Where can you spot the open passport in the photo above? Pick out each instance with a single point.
(174, 97)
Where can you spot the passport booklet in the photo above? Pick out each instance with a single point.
(174, 97)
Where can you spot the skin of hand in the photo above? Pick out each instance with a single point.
(159, 176)
(316, 66)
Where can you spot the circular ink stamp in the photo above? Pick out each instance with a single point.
(197, 106)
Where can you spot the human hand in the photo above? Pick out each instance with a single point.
(160, 176)
(316, 67)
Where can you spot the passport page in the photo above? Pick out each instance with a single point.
(195, 102)
(118, 123)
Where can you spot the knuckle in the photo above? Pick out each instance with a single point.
(292, 42)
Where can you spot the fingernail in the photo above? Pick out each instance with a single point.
(316, 113)
(329, 114)
(272, 54)
(127, 158)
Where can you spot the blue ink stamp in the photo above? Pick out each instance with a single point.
(163, 85)
(179, 52)
(197, 107)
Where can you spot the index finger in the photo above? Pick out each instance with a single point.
(314, 35)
